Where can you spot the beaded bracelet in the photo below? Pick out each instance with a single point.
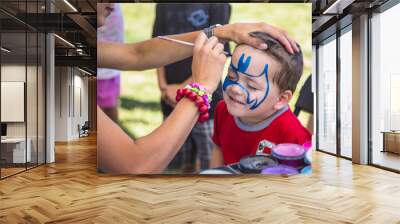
(196, 93)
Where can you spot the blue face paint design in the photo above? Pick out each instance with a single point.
(242, 67)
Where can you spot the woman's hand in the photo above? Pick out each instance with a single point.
(239, 33)
(208, 62)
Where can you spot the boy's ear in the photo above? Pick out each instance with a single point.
(283, 99)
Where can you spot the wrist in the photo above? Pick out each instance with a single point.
(223, 32)
(209, 88)
(197, 93)
(162, 87)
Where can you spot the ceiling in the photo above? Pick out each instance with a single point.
(72, 20)
(330, 15)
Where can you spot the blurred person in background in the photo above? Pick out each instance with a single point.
(108, 80)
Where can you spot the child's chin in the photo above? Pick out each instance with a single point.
(234, 111)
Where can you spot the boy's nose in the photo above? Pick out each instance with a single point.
(236, 90)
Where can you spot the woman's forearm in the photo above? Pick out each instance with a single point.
(163, 143)
(151, 53)
(118, 153)
(155, 53)
(144, 55)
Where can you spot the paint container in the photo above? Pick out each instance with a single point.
(289, 154)
(280, 169)
(307, 145)
(235, 166)
(255, 164)
(220, 170)
(306, 170)
(308, 156)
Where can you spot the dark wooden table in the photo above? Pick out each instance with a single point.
(391, 141)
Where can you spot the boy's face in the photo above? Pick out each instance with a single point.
(248, 90)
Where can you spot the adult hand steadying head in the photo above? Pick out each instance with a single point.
(208, 62)
(239, 33)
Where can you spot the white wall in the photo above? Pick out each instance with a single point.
(13, 72)
(71, 93)
(61, 114)
(81, 100)
(50, 95)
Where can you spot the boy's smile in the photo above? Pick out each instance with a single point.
(235, 101)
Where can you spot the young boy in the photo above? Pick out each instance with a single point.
(257, 90)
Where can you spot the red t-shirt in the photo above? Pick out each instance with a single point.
(237, 140)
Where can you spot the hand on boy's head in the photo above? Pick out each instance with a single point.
(208, 61)
(241, 35)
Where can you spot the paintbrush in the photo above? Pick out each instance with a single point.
(186, 43)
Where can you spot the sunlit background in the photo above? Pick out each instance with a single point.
(139, 108)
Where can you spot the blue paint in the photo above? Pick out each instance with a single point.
(243, 65)
(306, 170)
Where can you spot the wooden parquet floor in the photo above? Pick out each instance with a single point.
(70, 191)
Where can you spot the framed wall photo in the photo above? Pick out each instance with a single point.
(241, 129)
(12, 101)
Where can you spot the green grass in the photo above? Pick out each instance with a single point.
(140, 111)
(139, 106)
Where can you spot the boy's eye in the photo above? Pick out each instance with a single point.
(252, 87)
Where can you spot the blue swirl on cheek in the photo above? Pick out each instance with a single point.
(228, 82)
(242, 67)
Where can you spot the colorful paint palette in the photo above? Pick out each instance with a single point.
(306, 170)
(219, 170)
(255, 164)
(280, 169)
(289, 154)
(307, 157)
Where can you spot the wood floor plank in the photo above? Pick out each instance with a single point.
(70, 191)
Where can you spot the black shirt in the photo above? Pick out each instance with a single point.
(174, 18)
(306, 99)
